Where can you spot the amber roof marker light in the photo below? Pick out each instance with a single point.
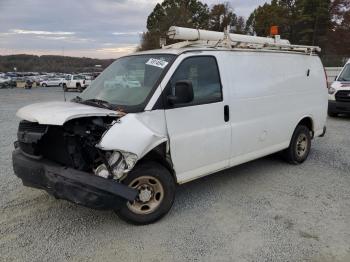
(274, 30)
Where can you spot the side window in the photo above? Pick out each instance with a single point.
(203, 72)
(78, 77)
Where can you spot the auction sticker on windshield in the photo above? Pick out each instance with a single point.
(157, 63)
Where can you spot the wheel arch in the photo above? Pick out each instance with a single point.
(160, 155)
(308, 122)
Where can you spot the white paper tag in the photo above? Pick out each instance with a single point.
(157, 63)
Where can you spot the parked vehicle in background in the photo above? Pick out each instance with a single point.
(75, 82)
(28, 84)
(53, 82)
(339, 93)
(156, 119)
(6, 82)
(88, 80)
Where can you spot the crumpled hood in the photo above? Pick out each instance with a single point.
(57, 113)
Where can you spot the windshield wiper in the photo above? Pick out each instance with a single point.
(99, 102)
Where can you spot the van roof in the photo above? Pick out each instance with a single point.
(179, 51)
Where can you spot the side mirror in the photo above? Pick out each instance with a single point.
(183, 93)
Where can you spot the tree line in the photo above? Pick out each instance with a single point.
(50, 63)
(324, 23)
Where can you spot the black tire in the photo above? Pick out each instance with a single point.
(44, 85)
(294, 153)
(332, 114)
(80, 89)
(164, 177)
(60, 84)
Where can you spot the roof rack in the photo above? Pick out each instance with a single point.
(218, 40)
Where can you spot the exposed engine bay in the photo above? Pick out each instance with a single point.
(74, 145)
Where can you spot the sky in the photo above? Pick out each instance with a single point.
(90, 28)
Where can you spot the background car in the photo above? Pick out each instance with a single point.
(5, 82)
(28, 84)
(339, 93)
(52, 82)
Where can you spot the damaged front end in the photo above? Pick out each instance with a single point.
(65, 161)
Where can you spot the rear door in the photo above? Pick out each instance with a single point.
(199, 132)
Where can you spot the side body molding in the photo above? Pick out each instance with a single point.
(136, 133)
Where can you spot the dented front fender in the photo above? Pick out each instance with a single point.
(136, 133)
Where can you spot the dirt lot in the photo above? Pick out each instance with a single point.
(266, 210)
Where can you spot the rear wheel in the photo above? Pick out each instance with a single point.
(44, 85)
(156, 188)
(80, 89)
(300, 146)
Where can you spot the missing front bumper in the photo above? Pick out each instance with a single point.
(75, 186)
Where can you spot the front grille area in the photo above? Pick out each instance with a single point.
(29, 135)
(343, 96)
(30, 149)
(26, 126)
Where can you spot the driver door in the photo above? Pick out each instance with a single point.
(199, 131)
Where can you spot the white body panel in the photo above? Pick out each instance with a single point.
(144, 132)
(200, 140)
(57, 113)
(268, 94)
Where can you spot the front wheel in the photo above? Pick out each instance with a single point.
(299, 147)
(156, 187)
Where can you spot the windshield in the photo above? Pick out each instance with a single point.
(345, 75)
(129, 81)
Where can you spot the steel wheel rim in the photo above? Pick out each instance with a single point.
(151, 194)
(302, 145)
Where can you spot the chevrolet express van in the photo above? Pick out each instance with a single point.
(339, 93)
(194, 111)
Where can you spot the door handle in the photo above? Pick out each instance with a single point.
(227, 113)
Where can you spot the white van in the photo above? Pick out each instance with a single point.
(195, 111)
(339, 93)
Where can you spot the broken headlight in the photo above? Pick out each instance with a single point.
(120, 163)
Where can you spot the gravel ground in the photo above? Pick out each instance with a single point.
(265, 210)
